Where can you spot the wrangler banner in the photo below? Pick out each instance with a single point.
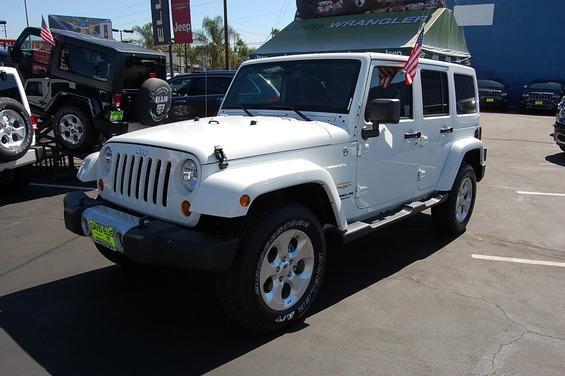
(327, 8)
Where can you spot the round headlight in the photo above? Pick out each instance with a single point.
(107, 159)
(189, 175)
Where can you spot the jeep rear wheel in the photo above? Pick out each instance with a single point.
(453, 215)
(562, 147)
(278, 270)
(73, 129)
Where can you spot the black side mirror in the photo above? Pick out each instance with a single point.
(381, 111)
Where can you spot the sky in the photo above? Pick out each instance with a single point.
(252, 19)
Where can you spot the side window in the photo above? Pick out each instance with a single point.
(86, 62)
(180, 87)
(35, 55)
(33, 88)
(9, 88)
(435, 93)
(389, 83)
(465, 94)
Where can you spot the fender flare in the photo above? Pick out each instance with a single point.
(95, 108)
(455, 158)
(219, 194)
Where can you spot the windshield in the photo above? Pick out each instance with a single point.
(490, 84)
(550, 86)
(306, 85)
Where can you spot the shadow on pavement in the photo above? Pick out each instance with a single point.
(557, 159)
(164, 322)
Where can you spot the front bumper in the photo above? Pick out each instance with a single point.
(152, 242)
(494, 102)
(533, 105)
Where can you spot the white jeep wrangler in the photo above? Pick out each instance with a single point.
(303, 147)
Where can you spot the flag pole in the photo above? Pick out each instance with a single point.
(226, 39)
(27, 18)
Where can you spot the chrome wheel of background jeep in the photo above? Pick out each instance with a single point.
(464, 200)
(71, 129)
(286, 270)
(12, 129)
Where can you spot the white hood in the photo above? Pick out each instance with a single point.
(239, 136)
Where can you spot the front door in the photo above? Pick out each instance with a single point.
(387, 166)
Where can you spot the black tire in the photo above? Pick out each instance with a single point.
(74, 130)
(240, 289)
(14, 181)
(16, 136)
(562, 147)
(153, 102)
(445, 215)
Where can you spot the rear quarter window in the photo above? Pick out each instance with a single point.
(85, 62)
(465, 94)
(9, 88)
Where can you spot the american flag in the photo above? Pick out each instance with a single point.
(45, 33)
(411, 66)
(386, 75)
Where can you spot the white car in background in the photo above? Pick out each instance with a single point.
(17, 138)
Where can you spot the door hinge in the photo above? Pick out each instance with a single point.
(361, 191)
(421, 174)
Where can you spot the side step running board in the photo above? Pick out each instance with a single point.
(359, 229)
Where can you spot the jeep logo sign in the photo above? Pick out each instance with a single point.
(181, 21)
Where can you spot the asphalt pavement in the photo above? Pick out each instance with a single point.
(404, 301)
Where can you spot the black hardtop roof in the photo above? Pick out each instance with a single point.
(108, 43)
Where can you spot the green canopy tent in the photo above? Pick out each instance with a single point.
(394, 33)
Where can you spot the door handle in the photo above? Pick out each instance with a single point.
(412, 135)
(446, 130)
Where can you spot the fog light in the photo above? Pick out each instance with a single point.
(85, 226)
(186, 208)
(100, 185)
(244, 201)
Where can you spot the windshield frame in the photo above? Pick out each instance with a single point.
(276, 106)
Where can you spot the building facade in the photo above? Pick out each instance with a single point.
(524, 43)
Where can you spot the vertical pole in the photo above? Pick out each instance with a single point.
(186, 58)
(226, 39)
(171, 59)
(27, 18)
(121, 40)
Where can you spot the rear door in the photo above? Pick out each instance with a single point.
(437, 125)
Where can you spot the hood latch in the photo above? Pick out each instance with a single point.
(221, 157)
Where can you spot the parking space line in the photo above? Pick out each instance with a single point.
(519, 261)
(541, 194)
(62, 186)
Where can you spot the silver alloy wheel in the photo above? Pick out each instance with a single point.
(286, 270)
(464, 200)
(12, 129)
(71, 129)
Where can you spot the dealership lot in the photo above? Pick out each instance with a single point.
(402, 301)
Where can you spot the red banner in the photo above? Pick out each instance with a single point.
(182, 25)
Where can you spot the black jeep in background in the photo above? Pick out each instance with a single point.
(198, 94)
(493, 94)
(86, 85)
(542, 96)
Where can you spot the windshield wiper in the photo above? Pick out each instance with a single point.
(283, 107)
(244, 108)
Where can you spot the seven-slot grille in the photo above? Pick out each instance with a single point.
(489, 94)
(141, 178)
(539, 97)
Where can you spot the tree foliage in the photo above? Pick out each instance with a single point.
(208, 46)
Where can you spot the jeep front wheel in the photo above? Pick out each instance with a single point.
(73, 129)
(278, 270)
(453, 215)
